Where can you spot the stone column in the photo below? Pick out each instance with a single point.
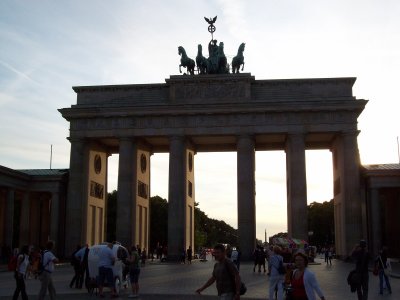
(55, 219)
(246, 195)
(76, 205)
(176, 197)
(347, 194)
(9, 225)
(24, 227)
(375, 221)
(126, 205)
(296, 186)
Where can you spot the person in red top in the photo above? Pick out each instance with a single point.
(303, 282)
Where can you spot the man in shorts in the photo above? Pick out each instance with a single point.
(134, 272)
(225, 274)
(106, 262)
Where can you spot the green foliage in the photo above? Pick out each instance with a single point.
(158, 221)
(321, 223)
(207, 231)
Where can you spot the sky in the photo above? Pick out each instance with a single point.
(49, 46)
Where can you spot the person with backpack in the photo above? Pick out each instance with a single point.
(381, 265)
(226, 276)
(76, 264)
(46, 270)
(277, 272)
(20, 272)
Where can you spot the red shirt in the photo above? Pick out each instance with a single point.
(299, 292)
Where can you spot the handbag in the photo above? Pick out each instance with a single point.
(383, 266)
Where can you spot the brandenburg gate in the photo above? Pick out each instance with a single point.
(208, 113)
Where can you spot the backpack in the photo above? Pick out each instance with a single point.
(12, 264)
(41, 265)
(281, 269)
(243, 288)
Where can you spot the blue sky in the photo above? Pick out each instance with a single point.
(49, 46)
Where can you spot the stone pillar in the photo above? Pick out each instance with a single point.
(24, 227)
(296, 186)
(375, 221)
(9, 225)
(133, 193)
(347, 194)
(55, 219)
(126, 204)
(176, 197)
(246, 195)
(76, 206)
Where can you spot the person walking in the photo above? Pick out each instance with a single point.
(134, 272)
(20, 272)
(381, 264)
(235, 257)
(330, 254)
(76, 264)
(361, 256)
(303, 282)
(48, 260)
(276, 278)
(189, 254)
(225, 275)
(105, 264)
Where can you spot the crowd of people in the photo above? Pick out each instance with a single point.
(288, 271)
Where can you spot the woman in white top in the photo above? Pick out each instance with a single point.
(276, 278)
(303, 282)
(22, 265)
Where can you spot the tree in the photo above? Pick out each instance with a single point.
(158, 221)
(321, 223)
(207, 231)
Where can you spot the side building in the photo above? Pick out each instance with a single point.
(32, 208)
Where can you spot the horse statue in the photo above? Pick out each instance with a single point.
(201, 61)
(186, 62)
(222, 61)
(238, 59)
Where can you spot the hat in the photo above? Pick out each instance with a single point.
(363, 244)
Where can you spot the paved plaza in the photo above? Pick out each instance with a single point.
(172, 281)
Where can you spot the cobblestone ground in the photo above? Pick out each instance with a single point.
(171, 281)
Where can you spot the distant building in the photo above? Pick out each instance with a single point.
(32, 207)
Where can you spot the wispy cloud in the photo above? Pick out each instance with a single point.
(17, 72)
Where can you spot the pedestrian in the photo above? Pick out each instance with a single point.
(134, 272)
(225, 275)
(143, 257)
(361, 256)
(276, 277)
(235, 257)
(47, 268)
(189, 254)
(76, 264)
(330, 254)
(381, 264)
(183, 256)
(105, 264)
(303, 282)
(20, 272)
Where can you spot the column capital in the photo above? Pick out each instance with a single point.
(72, 139)
(350, 133)
(127, 139)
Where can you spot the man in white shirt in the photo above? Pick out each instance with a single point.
(48, 260)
